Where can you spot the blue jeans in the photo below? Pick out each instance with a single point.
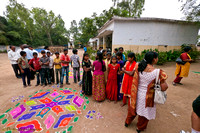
(65, 68)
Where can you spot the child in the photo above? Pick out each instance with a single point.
(36, 66)
(44, 62)
(111, 87)
(76, 65)
(65, 60)
(119, 75)
(51, 70)
(107, 61)
(87, 75)
(25, 68)
(98, 81)
(115, 52)
(57, 63)
(127, 80)
(104, 52)
(121, 49)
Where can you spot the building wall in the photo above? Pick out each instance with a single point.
(140, 35)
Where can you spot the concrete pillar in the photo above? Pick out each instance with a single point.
(104, 42)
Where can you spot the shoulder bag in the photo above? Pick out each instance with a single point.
(160, 96)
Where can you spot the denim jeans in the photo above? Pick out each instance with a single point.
(52, 75)
(45, 75)
(65, 68)
(27, 74)
(57, 77)
(38, 75)
(76, 73)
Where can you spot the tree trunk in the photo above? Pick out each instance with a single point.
(31, 38)
(49, 38)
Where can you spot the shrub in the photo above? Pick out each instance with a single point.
(162, 58)
(3, 51)
(126, 53)
(92, 53)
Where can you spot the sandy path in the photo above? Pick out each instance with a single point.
(179, 102)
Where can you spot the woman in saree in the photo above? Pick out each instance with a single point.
(142, 91)
(183, 70)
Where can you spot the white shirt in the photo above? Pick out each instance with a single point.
(18, 52)
(51, 62)
(13, 57)
(29, 53)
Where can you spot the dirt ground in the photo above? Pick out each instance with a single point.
(172, 117)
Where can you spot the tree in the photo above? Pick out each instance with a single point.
(191, 9)
(134, 7)
(44, 21)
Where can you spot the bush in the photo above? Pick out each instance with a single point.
(162, 58)
(92, 53)
(3, 51)
(173, 55)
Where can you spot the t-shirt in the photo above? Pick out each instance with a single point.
(64, 58)
(98, 68)
(23, 61)
(75, 58)
(35, 63)
(57, 60)
(44, 60)
(51, 63)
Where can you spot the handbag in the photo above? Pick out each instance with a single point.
(180, 61)
(160, 97)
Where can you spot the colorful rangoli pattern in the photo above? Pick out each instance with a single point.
(54, 108)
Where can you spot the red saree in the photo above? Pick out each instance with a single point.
(127, 80)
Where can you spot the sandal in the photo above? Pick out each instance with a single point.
(173, 83)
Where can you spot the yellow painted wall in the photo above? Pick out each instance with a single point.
(140, 48)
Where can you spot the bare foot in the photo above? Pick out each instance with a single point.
(115, 102)
(109, 101)
(123, 104)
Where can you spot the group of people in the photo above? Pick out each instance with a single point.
(26, 63)
(116, 78)
(110, 76)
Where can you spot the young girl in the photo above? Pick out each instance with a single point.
(119, 75)
(107, 62)
(128, 77)
(98, 81)
(111, 87)
(87, 75)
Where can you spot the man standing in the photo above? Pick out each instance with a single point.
(13, 56)
(65, 60)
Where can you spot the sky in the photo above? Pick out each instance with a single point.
(78, 9)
